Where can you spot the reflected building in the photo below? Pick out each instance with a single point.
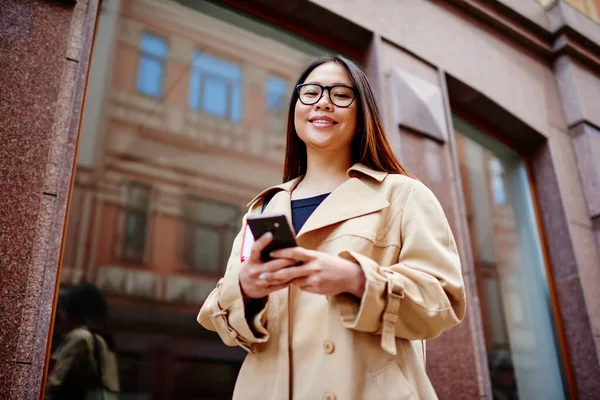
(185, 120)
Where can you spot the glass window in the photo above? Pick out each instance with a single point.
(276, 90)
(155, 251)
(137, 201)
(210, 229)
(216, 87)
(151, 65)
(522, 348)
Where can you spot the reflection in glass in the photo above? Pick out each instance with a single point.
(216, 86)
(276, 91)
(184, 123)
(510, 272)
(151, 65)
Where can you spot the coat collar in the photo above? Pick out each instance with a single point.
(357, 196)
(289, 186)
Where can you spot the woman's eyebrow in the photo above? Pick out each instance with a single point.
(333, 84)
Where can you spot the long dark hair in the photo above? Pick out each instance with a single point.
(369, 145)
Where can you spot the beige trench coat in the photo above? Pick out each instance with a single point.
(304, 346)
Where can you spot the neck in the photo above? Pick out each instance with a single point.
(324, 173)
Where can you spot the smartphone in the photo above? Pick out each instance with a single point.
(277, 224)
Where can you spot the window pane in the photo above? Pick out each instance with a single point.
(150, 76)
(207, 247)
(510, 271)
(276, 92)
(153, 45)
(139, 196)
(135, 236)
(194, 91)
(215, 96)
(222, 214)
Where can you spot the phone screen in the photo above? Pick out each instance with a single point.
(277, 224)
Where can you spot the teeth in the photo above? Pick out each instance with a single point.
(322, 121)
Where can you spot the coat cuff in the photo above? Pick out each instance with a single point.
(231, 304)
(363, 314)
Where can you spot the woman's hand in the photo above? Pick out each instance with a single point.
(254, 273)
(320, 273)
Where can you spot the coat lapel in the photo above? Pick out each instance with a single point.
(351, 199)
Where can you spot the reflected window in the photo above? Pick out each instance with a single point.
(216, 87)
(522, 349)
(137, 201)
(275, 92)
(151, 65)
(210, 228)
(497, 181)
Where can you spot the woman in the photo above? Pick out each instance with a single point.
(376, 272)
(84, 365)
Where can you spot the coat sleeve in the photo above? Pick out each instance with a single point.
(224, 310)
(423, 293)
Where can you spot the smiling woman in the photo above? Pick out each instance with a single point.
(323, 319)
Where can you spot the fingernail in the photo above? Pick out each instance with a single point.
(262, 276)
(268, 235)
(272, 254)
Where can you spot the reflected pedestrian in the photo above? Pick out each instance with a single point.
(84, 365)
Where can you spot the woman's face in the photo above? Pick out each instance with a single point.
(323, 126)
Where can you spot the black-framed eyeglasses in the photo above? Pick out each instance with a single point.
(339, 95)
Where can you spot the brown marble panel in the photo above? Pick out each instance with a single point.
(73, 88)
(580, 340)
(78, 26)
(588, 261)
(20, 383)
(58, 144)
(554, 219)
(452, 364)
(33, 40)
(27, 328)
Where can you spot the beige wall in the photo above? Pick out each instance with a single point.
(590, 8)
(468, 50)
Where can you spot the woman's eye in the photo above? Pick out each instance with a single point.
(310, 93)
(342, 96)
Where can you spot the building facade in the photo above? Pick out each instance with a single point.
(134, 132)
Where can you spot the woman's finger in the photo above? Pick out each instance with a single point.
(291, 273)
(262, 274)
(277, 264)
(296, 253)
(258, 246)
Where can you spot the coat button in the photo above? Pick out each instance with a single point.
(329, 396)
(328, 347)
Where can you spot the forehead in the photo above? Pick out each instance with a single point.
(328, 74)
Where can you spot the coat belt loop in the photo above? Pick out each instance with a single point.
(390, 317)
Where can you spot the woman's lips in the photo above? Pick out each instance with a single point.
(322, 122)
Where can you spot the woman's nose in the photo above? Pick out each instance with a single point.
(324, 102)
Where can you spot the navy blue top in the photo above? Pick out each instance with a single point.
(303, 208)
